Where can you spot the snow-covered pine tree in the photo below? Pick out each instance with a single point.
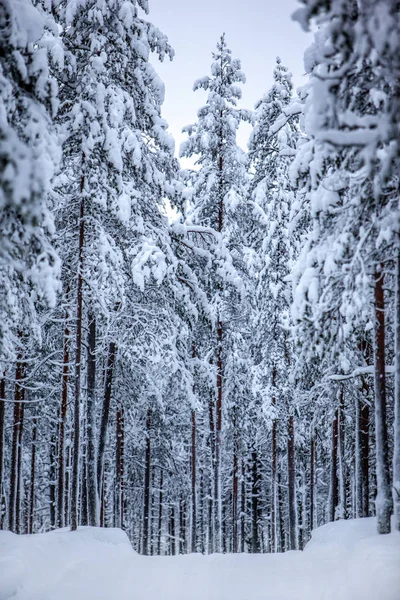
(271, 149)
(117, 162)
(28, 158)
(218, 197)
(351, 163)
(29, 266)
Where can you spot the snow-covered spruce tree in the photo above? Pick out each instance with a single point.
(351, 118)
(218, 198)
(28, 157)
(271, 149)
(117, 160)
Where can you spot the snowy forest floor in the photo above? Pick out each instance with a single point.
(345, 560)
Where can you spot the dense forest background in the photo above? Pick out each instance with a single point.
(227, 378)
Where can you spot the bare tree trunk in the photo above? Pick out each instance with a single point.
(210, 548)
(342, 463)
(255, 543)
(172, 531)
(78, 367)
(33, 472)
(282, 544)
(364, 418)
(91, 480)
(218, 442)
(105, 414)
(160, 513)
(2, 421)
(273, 471)
(396, 451)
(18, 393)
(211, 519)
(200, 517)
(147, 491)
(61, 509)
(181, 526)
(312, 480)
(235, 485)
(84, 517)
(194, 486)
(53, 479)
(18, 527)
(243, 508)
(67, 497)
(333, 488)
(119, 467)
(384, 503)
(292, 486)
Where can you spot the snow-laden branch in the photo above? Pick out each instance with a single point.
(359, 371)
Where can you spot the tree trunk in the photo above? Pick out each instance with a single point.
(119, 467)
(384, 501)
(211, 519)
(194, 485)
(84, 517)
(78, 367)
(255, 544)
(235, 485)
(172, 531)
(273, 470)
(91, 480)
(52, 478)
(396, 451)
(2, 421)
(181, 526)
(364, 417)
(18, 393)
(18, 527)
(160, 513)
(68, 468)
(282, 541)
(218, 442)
(61, 512)
(342, 462)
(333, 488)
(33, 472)
(243, 509)
(105, 414)
(312, 481)
(147, 491)
(292, 486)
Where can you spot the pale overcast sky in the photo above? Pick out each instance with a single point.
(257, 31)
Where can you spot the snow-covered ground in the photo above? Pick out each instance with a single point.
(345, 560)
